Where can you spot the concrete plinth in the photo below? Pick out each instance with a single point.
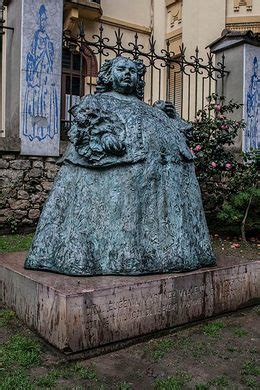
(76, 314)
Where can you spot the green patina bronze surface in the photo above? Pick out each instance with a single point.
(126, 199)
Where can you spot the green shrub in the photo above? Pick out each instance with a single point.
(227, 179)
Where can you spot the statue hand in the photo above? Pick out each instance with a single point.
(112, 145)
(167, 107)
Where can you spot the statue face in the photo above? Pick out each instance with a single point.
(43, 22)
(124, 76)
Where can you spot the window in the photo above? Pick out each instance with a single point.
(176, 87)
(79, 72)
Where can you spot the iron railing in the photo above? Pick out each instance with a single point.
(186, 82)
(2, 19)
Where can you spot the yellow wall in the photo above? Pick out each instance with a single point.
(202, 22)
(244, 18)
(132, 11)
(243, 9)
(147, 17)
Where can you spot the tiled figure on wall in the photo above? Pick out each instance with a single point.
(252, 131)
(41, 99)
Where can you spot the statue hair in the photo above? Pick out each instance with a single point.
(104, 80)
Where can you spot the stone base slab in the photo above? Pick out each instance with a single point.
(81, 313)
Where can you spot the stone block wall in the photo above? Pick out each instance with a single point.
(24, 182)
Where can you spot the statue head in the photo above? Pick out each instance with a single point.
(42, 19)
(122, 75)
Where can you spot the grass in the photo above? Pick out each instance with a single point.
(20, 350)
(15, 242)
(6, 317)
(200, 349)
(17, 380)
(185, 344)
(239, 332)
(124, 386)
(49, 380)
(201, 386)
(231, 348)
(160, 348)
(193, 348)
(250, 370)
(213, 329)
(84, 372)
(71, 371)
(17, 355)
(21, 353)
(250, 382)
(175, 382)
(221, 382)
(77, 370)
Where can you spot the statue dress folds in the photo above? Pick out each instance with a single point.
(132, 210)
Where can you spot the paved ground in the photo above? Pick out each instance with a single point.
(219, 354)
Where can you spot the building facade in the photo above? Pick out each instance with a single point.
(193, 24)
(201, 22)
(41, 78)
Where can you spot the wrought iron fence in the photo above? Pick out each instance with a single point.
(186, 82)
(2, 19)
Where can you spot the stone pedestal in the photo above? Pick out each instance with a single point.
(76, 314)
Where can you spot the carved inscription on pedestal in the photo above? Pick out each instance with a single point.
(127, 312)
(138, 308)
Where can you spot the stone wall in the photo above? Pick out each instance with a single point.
(24, 183)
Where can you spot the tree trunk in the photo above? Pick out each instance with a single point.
(243, 233)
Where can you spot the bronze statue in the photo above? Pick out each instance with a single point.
(126, 200)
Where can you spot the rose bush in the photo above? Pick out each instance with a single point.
(222, 172)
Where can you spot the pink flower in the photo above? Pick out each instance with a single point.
(197, 148)
(228, 165)
(213, 164)
(217, 107)
(224, 127)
